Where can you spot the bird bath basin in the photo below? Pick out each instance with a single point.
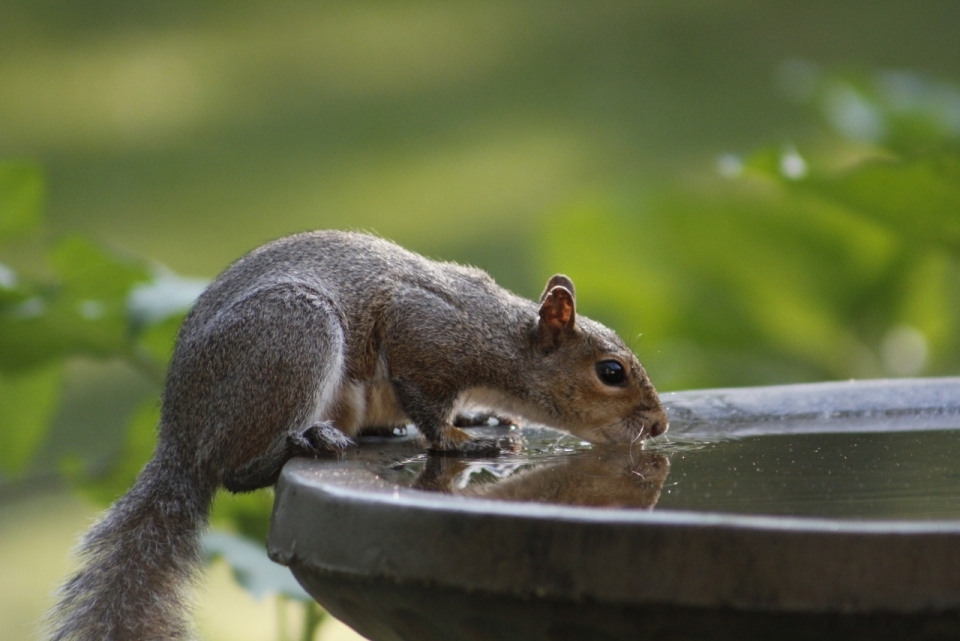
(826, 511)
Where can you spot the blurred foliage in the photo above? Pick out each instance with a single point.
(27, 401)
(837, 258)
(841, 263)
(21, 190)
(251, 568)
(81, 306)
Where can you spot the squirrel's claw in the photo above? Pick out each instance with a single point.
(318, 440)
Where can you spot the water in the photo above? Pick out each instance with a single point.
(892, 475)
(882, 475)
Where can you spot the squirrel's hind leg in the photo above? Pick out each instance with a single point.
(259, 383)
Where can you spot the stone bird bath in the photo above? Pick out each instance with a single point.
(824, 511)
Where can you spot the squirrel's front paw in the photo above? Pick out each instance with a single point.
(319, 439)
(455, 442)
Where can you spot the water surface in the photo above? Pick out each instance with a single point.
(857, 475)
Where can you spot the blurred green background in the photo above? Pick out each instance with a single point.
(750, 192)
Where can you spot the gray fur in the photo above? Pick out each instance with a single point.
(274, 361)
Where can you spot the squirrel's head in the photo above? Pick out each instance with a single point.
(600, 391)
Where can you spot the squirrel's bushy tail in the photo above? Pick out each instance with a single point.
(139, 561)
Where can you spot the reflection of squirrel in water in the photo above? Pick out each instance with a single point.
(299, 346)
(605, 476)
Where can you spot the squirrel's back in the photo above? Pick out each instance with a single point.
(354, 269)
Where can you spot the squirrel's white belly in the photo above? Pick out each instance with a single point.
(382, 408)
(369, 403)
(366, 404)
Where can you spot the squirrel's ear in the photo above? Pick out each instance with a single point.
(557, 312)
(558, 280)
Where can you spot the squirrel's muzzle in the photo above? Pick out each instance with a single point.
(640, 424)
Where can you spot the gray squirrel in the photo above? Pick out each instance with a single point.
(297, 348)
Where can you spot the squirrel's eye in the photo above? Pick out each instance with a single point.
(611, 372)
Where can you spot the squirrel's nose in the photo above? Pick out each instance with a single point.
(659, 427)
(659, 423)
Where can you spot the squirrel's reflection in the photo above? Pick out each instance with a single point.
(604, 476)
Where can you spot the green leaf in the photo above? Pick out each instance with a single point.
(27, 402)
(85, 314)
(141, 439)
(916, 197)
(919, 197)
(251, 566)
(88, 272)
(21, 194)
(33, 332)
